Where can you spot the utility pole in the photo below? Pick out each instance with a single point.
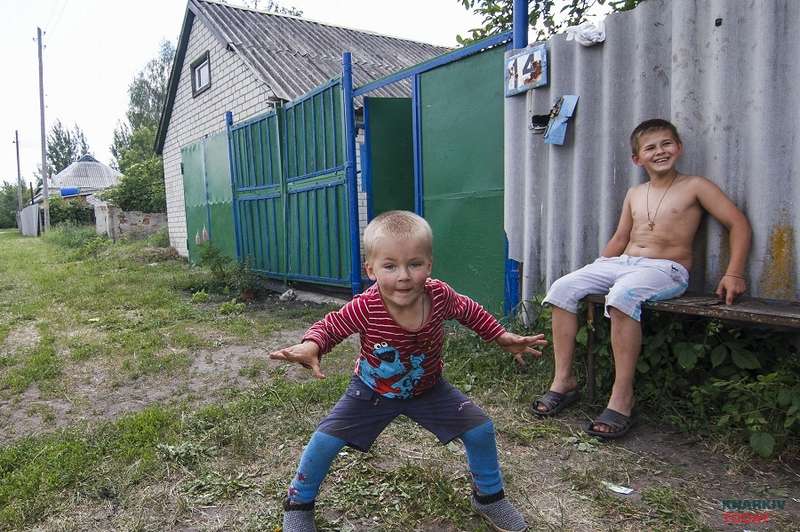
(19, 175)
(45, 173)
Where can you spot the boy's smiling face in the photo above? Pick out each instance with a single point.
(400, 267)
(658, 152)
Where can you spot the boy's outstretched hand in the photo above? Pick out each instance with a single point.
(519, 345)
(306, 354)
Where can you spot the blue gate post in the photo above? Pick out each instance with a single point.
(511, 299)
(231, 162)
(350, 171)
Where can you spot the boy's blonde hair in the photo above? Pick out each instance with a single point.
(654, 124)
(397, 225)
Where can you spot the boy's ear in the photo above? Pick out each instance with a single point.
(369, 270)
(636, 160)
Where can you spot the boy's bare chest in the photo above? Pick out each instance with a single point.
(666, 207)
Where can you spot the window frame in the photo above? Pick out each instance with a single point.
(204, 59)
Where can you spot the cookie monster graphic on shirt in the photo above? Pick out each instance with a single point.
(391, 378)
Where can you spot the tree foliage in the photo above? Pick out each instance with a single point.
(546, 17)
(142, 186)
(65, 146)
(148, 91)
(8, 206)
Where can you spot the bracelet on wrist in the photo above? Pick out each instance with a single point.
(737, 276)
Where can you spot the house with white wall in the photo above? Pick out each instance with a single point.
(246, 61)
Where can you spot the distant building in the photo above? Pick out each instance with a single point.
(82, 178)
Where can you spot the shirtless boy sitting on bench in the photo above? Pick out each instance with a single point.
(647, 259)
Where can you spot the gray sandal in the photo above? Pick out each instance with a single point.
(554, 402)
(619, 424)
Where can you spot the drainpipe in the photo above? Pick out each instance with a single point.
(350, 172)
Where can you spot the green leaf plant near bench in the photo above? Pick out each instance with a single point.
(710, 376)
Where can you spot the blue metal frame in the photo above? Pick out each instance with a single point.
(350, 172)
(520, 24)
(416, 142)
(232, 163)
(455, 55)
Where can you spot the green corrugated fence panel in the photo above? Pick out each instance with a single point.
(313, 133)
(256, 152)
(220, 195)
(391, 154)
(318, 230)
(194, 195)
(462, 154)
(262, 230)
(290, 191)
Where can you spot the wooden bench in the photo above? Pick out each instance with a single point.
(748, 310)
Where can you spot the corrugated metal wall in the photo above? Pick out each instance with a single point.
(725, 72)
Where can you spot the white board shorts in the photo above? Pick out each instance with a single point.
(627, 282)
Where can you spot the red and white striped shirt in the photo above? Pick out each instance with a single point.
(419, 364)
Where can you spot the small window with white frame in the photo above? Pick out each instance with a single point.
(201, 74)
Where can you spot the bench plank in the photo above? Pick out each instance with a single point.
(760, 311)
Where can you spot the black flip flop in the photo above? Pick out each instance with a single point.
(555, 402)
(619, 424)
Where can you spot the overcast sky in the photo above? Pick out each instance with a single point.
(94, 48)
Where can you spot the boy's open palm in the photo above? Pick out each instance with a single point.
(306, 354)
(520, 345)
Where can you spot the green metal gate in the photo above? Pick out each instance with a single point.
(290, 192)
(462, 161)
(207, 195)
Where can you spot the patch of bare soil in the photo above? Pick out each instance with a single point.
(20, 338)
(90, 392)
(547, 478)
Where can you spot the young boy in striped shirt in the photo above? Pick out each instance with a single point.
(399, 369)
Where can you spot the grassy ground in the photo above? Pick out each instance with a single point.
(124, 405)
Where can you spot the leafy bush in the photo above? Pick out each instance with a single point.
(229, 275)
(706, 376)
(76, 212)
(141, 188)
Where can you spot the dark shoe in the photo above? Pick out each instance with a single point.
(619, 424)
(499, 512)
(298, 517)
(554, 402)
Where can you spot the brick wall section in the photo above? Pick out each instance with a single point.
(233, 88)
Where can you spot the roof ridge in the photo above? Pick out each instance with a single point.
(315, 21)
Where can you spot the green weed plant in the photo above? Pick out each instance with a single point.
(712, 377)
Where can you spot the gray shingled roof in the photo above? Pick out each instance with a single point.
(292, 55)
